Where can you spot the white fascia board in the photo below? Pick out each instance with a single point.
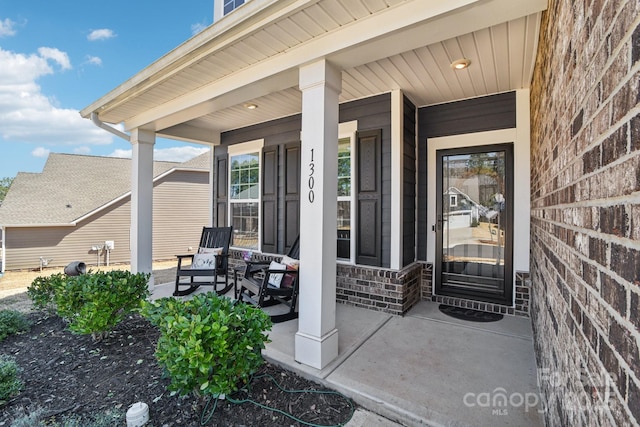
(67, 224)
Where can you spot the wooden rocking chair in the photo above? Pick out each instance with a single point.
(209, 266)
(264, 286)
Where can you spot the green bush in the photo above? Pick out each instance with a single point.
(208, 344)
(42, 291)
(95, 303)
(12, 322)
(10, 384)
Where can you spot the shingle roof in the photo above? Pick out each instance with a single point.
(70, 186)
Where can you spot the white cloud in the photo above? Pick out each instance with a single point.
(178, 154)
(125, 154)
(94, 60)
(101, 34)
(27, 115)
(172, 154)
(82, 150)
(56, 55)
(197, 27)
(7, 28)
(40, 152)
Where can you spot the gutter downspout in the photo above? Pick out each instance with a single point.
(96, 121)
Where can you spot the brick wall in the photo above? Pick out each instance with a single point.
(379, 289)
(585, 217)
(374, 288)
(520, 308)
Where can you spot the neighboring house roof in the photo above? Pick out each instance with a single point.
(483, 210)
(72, 186)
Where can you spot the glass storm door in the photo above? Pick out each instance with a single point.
(474, 213)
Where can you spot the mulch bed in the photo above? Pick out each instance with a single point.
(71, 375)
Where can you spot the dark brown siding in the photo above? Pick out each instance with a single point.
(374, 113)
(409, 184)
(472, 115)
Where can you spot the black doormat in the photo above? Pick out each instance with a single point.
(469, 314)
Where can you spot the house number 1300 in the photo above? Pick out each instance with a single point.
(311, 181)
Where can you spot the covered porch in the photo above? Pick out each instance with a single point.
(424, 368)
(277, 86)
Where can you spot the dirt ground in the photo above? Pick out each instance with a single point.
(14, 284)
(67, 375)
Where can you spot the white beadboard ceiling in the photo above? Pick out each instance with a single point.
(502, 59)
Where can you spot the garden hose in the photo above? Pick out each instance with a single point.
(204, 419)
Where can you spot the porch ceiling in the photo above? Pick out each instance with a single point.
(381, 45)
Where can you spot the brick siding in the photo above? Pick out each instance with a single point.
(395, 292)
(585, 231)
(521, 307)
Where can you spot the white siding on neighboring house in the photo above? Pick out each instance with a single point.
(50, 227)
(180, 210)
(25, 245)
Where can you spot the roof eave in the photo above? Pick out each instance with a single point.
(233, 26)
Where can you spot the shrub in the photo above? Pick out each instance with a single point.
(208, 345)
(10, 384)
(12, 322)
(95, 303)
(42, 291)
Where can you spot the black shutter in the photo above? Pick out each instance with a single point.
(270, 199)
(220, 214)
(369, 198)
(291, 195)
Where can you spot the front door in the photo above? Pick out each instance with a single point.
(474, 212)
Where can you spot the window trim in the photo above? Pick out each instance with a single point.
(224, 3)
(349, 130)
(238, 150)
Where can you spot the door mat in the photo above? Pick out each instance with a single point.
(469, 314)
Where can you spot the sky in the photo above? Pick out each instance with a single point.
(58, 57)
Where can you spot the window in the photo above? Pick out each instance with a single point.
(453, 200)
(244, 195)
(230, 5)
(344, 198)
(346, 215)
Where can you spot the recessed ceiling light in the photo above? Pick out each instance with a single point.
(250, 106)
(460, 64)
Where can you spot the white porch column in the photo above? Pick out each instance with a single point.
(316, 342)
(142, 143)
(397, 188)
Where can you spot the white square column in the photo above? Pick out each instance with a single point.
(316, 342)
(142, 143)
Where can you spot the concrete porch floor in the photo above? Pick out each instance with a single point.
(425, 368)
